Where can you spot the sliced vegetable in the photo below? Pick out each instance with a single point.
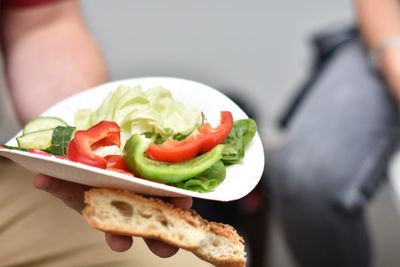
(200, 141)
(60, 139)
(212, 136)
(42, 123)
(37, 133)
(80, 149)
(117, 163)
(36, 140)
(145, 167)
(242, 133)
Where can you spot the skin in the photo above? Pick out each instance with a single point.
(378, 20)
(50, 55)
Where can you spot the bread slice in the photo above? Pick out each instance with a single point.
(126, 213)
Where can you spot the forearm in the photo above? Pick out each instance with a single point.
(379, 21)
(49, 55)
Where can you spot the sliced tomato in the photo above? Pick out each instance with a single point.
(80, 149)
(200, 141)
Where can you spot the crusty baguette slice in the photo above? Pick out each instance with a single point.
(127, 213)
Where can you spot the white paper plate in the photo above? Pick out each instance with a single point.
(240, 178)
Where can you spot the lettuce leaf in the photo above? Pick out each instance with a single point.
(238, 139)
(60, 139)
(137, 112)
(207, 181)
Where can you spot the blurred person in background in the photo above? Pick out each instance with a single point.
(337, 139)
(48, 55)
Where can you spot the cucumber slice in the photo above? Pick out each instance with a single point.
(60, 139)
(36, 140)
(42, 123)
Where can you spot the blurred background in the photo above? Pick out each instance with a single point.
(258, 50)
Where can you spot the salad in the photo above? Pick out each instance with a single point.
(147, 134)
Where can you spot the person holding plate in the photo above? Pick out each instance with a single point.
(48, 55)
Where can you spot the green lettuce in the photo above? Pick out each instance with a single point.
(138, 112)
(207, 181)
(238, 139)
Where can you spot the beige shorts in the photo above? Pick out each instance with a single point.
(37, 229)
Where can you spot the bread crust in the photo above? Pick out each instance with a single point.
(132, 207)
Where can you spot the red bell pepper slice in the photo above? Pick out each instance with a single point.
(212, 137)
(117, 163)
(200, 141)
(80, 149)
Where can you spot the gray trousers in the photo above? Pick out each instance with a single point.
(333, 156)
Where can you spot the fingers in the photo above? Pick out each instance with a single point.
(70, 193)
(73, 195)
(118, 243)
(160, 248)
(182, 202)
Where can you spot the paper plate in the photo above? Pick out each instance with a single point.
(240, 178)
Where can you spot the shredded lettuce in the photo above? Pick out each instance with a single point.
(138, 112)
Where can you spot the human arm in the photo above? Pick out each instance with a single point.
(379, 20)
(50, 55)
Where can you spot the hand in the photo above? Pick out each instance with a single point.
(389, 65)
(73, 196)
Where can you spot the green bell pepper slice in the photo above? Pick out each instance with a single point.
(166, 172)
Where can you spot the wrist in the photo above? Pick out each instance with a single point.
(389, 67)
(380, 55)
